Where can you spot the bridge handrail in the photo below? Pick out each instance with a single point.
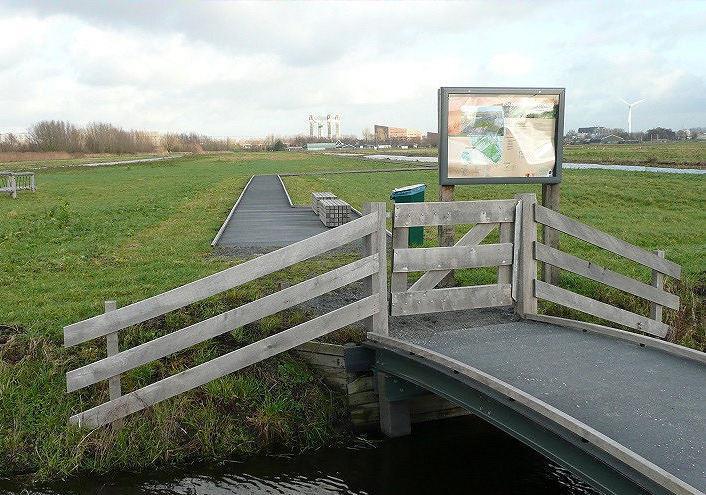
(652, 293)
(152, 307)
(574, 228)
(373, 308)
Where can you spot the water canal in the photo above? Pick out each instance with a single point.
(461, 455)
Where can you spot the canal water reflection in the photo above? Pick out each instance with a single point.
(462, 455)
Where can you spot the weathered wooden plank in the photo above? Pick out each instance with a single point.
(596, 272)
(550, 199)
(516, 241)
(642, 340)
(474, 236)
(321, 348)
(658, 284)
(449, 258)
(360, 398)
(226, 364)
(505, 271)
(454, 213)
(113, 347)
(361, 384)
(158, 305)
(606, 241)
(320, 360)
(526, 301)
(400, 240)
(450, 299)
(378, 280)
(219, 324)
(585, 304)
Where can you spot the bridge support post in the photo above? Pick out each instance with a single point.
(395, 419)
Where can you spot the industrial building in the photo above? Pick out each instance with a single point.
(391, 135)
(332, 123)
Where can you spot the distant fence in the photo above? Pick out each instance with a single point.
(11, 182)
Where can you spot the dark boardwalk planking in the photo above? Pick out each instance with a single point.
(264, 218)
(648, 400)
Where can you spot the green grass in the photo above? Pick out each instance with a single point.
(679, 153)
(42, 164)
(674, 154)
(129, 232)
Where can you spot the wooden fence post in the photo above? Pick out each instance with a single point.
(527, 301)
(376, 243)
(113, 348)
(447, 233)
(400, 240)
(658, 283)
(12, 182)
(506, 235)
(550, 237)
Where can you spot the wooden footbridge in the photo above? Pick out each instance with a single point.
(623, 410)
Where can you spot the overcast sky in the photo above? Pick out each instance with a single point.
(251, 69)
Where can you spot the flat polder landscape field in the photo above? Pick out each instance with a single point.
(690, 154)
(127, 232)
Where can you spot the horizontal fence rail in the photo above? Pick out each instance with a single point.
(564, 224)
(603, 310)
(655, 294)
(372, 268)
(158, 305)
(474, 236)
(451, 299)
(446, 258)
(605, 276)
(226, 364)
(220, 324)
(454, 213)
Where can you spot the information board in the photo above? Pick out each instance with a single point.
(500, 135)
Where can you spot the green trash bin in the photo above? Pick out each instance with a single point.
(411, 194)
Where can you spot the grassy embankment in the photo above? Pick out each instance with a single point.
(129, 232)
(690, 154)
(126, 233)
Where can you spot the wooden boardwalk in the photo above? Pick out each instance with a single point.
(264, 217)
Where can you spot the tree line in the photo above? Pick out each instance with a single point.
(99, 137)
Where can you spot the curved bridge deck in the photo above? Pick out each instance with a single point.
(645, 399)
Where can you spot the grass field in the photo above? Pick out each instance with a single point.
(675, 154)
(35, 161)
(129, 232)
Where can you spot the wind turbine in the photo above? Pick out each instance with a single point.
(630, 105)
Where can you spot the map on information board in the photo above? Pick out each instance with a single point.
(496, 135)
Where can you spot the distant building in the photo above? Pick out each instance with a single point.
(390, 135)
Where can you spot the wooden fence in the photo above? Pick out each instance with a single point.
(373, 309)
(654, 293)
(437, 262)
(11, 182)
